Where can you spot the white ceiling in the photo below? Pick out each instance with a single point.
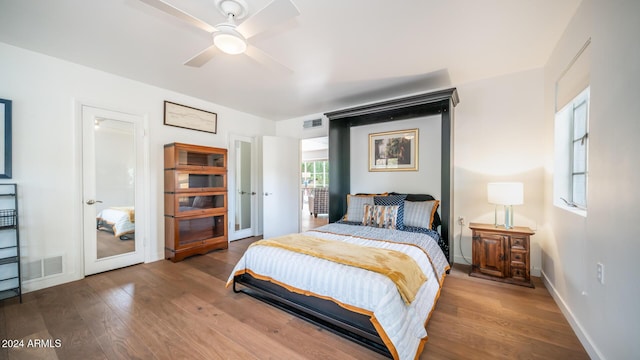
(342, 53)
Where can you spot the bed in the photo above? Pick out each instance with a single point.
(120, 220)
(367, 306)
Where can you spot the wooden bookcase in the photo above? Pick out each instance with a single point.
(195, 200)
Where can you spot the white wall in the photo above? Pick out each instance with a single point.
(46, 143)
(498, 137)
(293, 127)
(424, 181)
(606, 316)
(115, 163)
(313, 155)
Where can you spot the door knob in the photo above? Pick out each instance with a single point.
(268, 193)
(253, 193)
(91, 202)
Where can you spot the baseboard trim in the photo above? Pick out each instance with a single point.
(461, 260)
(582, 335)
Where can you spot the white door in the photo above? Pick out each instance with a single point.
(112, 178)
(281, 185)
(243, 189)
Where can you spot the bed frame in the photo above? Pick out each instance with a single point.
(325, 313)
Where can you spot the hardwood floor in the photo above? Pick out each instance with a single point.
(110, 245)
(166, 310)
(308, 221)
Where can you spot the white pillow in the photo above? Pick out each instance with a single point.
(420, 213)
(355, 206)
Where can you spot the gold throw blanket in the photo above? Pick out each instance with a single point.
(397, 266)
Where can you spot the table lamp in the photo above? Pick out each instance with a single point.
(507, 194)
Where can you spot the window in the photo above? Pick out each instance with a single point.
(315, 174)
(571, 153)
(579, 154)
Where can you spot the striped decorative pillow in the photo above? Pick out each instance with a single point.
(393, 200)
(380, 216)
(420, 213)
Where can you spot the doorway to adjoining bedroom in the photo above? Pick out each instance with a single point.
(314, 183)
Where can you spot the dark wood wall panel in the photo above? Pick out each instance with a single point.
(340, 122)
(339, 168)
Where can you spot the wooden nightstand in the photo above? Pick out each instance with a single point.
(501, 254)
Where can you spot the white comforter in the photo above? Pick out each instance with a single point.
(119, 219)
(368, 292)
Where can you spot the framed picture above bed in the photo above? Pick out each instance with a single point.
(394, 151)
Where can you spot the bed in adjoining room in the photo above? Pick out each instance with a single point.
(119, 220)
(373, 277)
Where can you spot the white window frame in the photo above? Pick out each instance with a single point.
(313, 174)
(565, 138)
(580, 101)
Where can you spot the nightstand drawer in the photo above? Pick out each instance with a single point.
(519, 242)
(518, 272)
(518, 258)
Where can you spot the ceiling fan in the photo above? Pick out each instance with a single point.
(230, 38)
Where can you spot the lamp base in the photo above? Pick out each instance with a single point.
(508, 216)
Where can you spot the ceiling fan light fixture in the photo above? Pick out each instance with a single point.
(229, 41)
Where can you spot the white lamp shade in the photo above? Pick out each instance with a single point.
(505, 193)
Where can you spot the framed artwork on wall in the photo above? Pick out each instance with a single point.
(5, 139)
(394, 151)
(190, 118)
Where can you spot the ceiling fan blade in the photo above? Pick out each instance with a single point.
(203, 57)
(275, 13)
(172, 10)
(266, 60)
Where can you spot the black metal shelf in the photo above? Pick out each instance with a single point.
(9, 260)
(10, 293)
(9, 221)
(8, 218)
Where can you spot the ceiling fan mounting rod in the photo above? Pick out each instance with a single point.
(232, 8)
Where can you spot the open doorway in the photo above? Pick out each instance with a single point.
(314, 180)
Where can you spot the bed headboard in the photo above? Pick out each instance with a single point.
(440, 102)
